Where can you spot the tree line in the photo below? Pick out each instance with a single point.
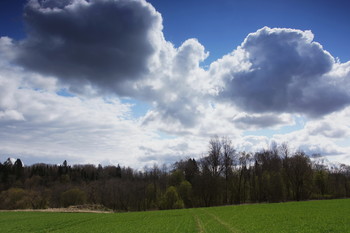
(222, 177)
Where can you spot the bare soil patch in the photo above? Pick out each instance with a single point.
(70, 209)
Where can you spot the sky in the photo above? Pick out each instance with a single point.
(138, 83)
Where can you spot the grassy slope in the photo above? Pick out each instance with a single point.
(310, 216)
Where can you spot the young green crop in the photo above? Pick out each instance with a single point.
(309, 216)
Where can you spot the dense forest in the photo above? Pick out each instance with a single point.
(222, 177)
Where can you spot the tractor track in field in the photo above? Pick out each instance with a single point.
(220, 221)
(199, 225)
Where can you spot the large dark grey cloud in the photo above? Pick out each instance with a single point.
(103, 43)
(287, 72)
(113, 46)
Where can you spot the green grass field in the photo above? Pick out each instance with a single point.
(309, 216)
